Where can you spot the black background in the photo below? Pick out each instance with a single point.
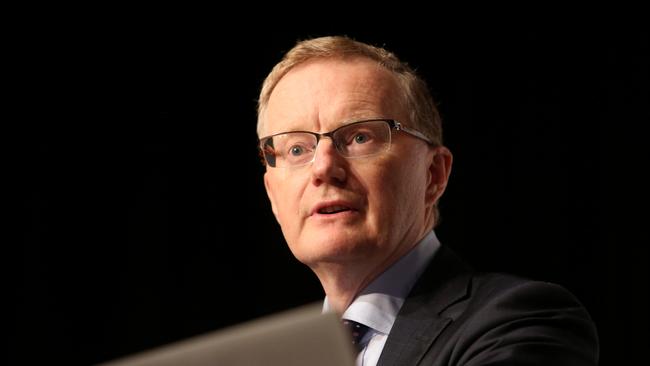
(144, 218)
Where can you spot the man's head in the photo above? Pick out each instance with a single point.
(339, 207)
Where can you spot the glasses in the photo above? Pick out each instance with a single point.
(353, 140)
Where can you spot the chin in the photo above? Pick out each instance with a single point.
(332, 248)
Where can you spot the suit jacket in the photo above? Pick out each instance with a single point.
(454, 316)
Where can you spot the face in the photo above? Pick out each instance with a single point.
(367, 210)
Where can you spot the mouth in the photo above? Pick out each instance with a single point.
(333, 208)
(329, 210)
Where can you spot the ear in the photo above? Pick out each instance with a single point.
(439, 170)
(269, 193)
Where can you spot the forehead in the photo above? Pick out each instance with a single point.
(322, 94)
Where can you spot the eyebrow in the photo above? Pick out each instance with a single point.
(361, 114)
(347, 121)
(354, 117)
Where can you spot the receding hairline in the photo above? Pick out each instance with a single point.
(347, 58)
(279, 73)
(328, 47)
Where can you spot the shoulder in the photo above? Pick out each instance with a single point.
(448, 276)
(500, 297)
(505, 315)
(519, 291)
(471, 318)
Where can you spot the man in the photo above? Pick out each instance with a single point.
(355, 162)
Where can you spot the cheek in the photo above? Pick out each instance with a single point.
(383, 190)
(287, 193)
(399, 191)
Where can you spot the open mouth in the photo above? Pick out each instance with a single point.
(330, 210)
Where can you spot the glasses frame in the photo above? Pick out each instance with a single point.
(394, 125)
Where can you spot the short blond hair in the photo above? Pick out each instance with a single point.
(423, 113)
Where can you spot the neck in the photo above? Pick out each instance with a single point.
(343, 281)
(342, 284)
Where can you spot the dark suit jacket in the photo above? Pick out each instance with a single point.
(454, 316)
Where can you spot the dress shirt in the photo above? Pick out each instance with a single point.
(378, 304)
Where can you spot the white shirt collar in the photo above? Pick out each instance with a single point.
(378, 304)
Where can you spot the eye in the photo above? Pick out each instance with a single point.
(296, 150)
(361, 138)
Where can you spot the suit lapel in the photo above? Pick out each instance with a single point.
(419, 321)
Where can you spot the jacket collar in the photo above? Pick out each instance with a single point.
(421, 319)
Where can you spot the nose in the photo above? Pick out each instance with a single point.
(328, 166)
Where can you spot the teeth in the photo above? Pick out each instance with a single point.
(332, 209)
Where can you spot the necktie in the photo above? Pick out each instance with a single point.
(357, 330)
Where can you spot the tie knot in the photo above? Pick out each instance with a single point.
(357, 330)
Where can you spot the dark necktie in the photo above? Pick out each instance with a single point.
(357, 330)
